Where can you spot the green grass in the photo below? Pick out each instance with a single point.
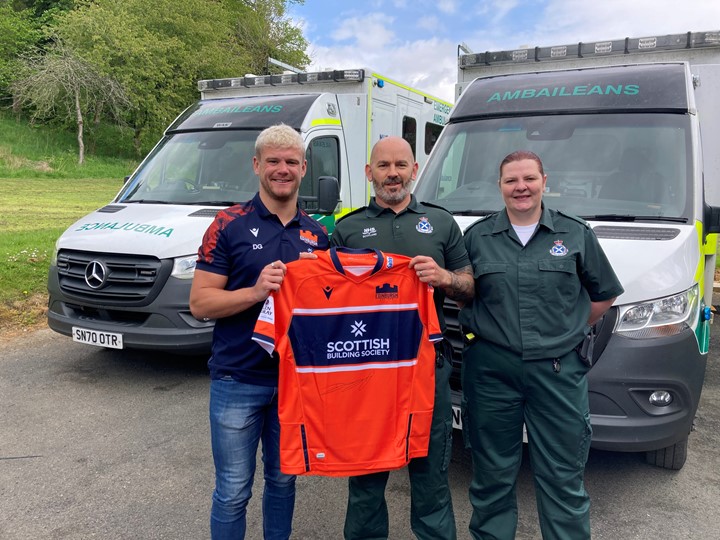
(33, 214)
(43, 191)
(28, 151)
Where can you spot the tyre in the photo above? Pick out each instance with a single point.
(673, 457)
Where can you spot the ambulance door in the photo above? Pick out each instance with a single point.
(409, 113)
(383, 121)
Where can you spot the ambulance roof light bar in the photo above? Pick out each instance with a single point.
(689, 40)
(332, 76)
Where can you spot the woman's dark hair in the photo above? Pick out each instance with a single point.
(519, 155)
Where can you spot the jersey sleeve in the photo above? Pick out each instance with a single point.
(456, 255)
(429, 313)
(264, 333)
(212, 254)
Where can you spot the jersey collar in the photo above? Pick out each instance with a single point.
(374, 209)
(337, 263)
(264, 213)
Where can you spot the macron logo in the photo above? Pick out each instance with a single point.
(255, 232)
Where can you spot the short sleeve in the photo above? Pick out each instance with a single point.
(596, 272)
(456, 255)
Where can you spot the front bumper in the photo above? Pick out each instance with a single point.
(165, 323)
(625, 375)
(620, 383)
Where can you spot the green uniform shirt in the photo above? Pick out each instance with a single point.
(534, 300)
(420, 229)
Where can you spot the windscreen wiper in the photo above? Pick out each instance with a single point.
(216, 203)
(631, 218)
(146, 201)
(472, 212)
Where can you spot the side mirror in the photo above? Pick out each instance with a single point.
(711, 219)
(126, 179)
(328, 195)
(327, 200)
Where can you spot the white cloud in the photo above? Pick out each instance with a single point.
(496, 10)
(368, 32)
(422, 64)
(447, 6)
(405, 41)
(568, 21)
(430, 23)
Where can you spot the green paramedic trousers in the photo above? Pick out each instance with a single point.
(501, 391)
(431, 511)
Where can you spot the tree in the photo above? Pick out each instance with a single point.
(157, 50)
(59, 84)
(265, 31)
(17, 34)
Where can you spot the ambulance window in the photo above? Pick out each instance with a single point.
(409, 131)
(323, 159)
(432, 132)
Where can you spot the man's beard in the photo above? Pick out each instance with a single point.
(391, 198)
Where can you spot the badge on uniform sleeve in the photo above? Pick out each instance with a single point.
(558, 250)
(424, 226)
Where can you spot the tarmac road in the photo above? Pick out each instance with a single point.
(114, 445)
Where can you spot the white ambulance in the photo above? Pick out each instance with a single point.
(629, 135)
(120, 276)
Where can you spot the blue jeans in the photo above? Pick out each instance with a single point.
(240, 415)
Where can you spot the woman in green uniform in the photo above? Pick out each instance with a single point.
(541, 280)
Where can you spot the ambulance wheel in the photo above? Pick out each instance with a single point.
(673, 457)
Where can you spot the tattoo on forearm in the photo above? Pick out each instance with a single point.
(462, 286)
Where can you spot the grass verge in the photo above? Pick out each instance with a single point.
(33, 214)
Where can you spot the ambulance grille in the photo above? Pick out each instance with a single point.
(454, 335)
(635, 233)
(111, 208)
(205, 212)
(111, 279)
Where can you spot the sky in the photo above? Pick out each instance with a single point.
(415, 42)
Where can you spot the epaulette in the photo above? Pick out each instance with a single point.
(432, 205)
(361, 209)
(479, 220)
(574, 218)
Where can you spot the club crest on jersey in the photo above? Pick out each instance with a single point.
(386, 292)
(309, 238)
(369, 232)
(424, 226)
(388, 262)
(558, 250)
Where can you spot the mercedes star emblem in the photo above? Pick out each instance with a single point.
(95, 274)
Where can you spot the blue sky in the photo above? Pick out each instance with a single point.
(416, 41)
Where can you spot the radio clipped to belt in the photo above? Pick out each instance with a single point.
(585, 349)
(443, 351)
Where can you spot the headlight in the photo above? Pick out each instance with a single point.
(661, 317)
(184, 267)
(53, 257)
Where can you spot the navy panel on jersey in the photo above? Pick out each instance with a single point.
(365, 337)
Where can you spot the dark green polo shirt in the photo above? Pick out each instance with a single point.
(420, 229)
(535, 299)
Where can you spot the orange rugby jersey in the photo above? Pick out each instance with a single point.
(354, 331)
